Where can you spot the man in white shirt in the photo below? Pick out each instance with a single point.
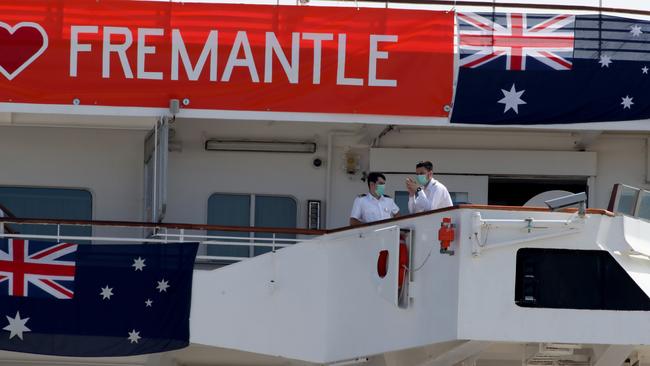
(427, 193)
(374, 205)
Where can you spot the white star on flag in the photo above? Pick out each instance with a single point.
(645, 69)
(605, 61)
(636, 30)
(162, 285)
(16, 326)
(512, 99)
(106, 293)
(138, 264)
(134, 336)
(148, 303)
(627, 102)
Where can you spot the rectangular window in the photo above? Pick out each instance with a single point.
(643, 209)
(575, 279)
(274, 211)
(250, 210)
(48, 203)
(229, 210)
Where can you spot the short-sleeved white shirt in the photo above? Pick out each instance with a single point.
(366, 208)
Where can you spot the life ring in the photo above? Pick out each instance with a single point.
(382, 262)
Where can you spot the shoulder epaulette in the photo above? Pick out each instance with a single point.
(386, 196)
(362, 195)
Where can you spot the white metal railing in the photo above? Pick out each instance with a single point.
(167, 233)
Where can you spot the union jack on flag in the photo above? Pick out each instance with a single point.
(524, 40)
(37, 270)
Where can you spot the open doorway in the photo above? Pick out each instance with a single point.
(516, 191)
(462, 188)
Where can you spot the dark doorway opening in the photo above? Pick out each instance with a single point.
(516, 191)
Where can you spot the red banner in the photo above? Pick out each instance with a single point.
(226, 57)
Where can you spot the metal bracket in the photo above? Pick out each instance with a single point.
(528, 225)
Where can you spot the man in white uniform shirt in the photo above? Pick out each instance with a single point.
(374, 205)
(427, 193)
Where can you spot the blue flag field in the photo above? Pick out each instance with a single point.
(94, 300)
(551, 69)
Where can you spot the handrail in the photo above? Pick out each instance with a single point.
(239, 229)
(246, 229)
(592, 211)
(456, 3)
(7, 213)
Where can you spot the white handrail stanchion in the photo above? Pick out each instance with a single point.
(273, 242)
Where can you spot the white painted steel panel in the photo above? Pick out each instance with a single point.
(515, 162)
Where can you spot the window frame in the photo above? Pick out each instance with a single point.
(90, 191)
(252, 196)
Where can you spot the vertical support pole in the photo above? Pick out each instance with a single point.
(273, 242)
(639, 201)
(591, 191)
(251, 235)
(154, 201)
(647, 160)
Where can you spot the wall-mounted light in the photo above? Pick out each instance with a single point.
(261, 146)
(351, 162)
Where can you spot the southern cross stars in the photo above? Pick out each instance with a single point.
(644, 69)
(636, 30)
(16, 326)
(162, 285)
(148, 303)
(512, 99)
(605, 61)
(134, 336)
(627, 102)
(138, 264)
(106, 293)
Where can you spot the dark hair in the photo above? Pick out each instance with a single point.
(425, 164)
(374, 177)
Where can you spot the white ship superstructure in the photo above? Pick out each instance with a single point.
(280, 277)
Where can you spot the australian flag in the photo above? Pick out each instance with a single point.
(551, 69)
(94, 300)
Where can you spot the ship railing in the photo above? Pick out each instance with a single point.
(5, 212)
(218, 244)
